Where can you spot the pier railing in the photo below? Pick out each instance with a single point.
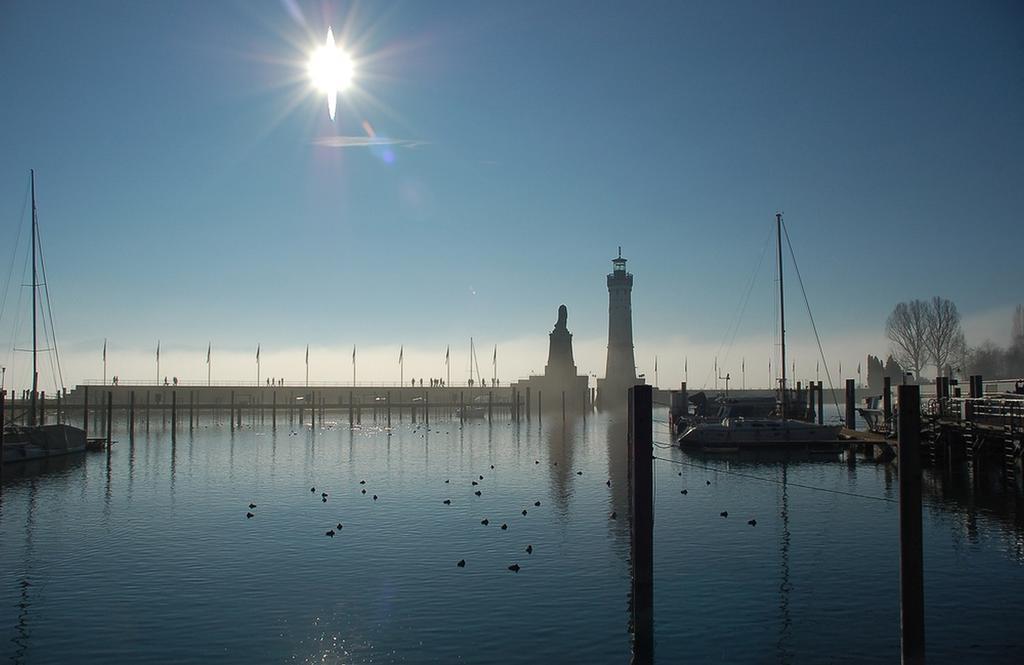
(284, 383)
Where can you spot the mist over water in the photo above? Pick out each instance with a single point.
(147, 554)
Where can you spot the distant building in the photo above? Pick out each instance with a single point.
(620, 370)
(560, 375)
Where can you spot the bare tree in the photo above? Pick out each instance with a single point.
(944, 334)
(907, 329)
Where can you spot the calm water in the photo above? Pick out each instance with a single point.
(146, 555)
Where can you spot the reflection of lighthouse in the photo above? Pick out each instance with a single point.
(620, 371)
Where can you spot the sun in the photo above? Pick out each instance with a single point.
(330, 71)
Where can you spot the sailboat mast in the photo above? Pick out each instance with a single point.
(35, 344)
(782, 312)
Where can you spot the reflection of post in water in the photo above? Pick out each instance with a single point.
(21, 640)
(618, 472)
(560, 458)
(786, 621)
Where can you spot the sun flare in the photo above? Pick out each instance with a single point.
(330, 71)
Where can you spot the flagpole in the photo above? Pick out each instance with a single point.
(158, 362)
(447, 363)
(494, 362)
(401, 366)
(257, 365)
(655, 372)
(209, 347)
(353, 365)
(104, 361)
(307, 365)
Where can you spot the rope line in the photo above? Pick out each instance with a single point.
(775, 481)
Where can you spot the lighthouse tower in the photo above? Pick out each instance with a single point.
(620, 371)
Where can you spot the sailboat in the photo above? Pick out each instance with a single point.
(32, 439)
(732, 433)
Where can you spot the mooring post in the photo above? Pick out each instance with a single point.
(231, 411)
(911, 546)
(131, 414)
(540, 408)
(3, 414)
(462, 406)
(563, 406)
(821, 403)
(273, 410)
(887, 402)
(527, 403)
(174, 414)
(851, 403)
(147, 409)
(811, 410)
(641, 487)
(191, 410)
(426, 408)
(490, 405)
(110, 418)
(85, 410)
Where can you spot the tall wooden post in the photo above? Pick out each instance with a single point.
(563, 406)
(811, 394)
(462, 406)
(911, 540)
(273, 410)
(174, 414)
(231, 411)
(85, 410)
(821, 403)
(540, 408)
(851, 404)
(490, 405)
(426, 408)
(110, 417)
(527, 403)
(147, 411)
(191, 410)
(3, 415)
(887, 402)
(641, 487)
(131, 414)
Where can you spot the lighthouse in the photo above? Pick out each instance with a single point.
(620, 370)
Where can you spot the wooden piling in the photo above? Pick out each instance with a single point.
(389, 409)
(641, 488)
(911, 540)
(85, 410)
(147, 411)
(231, 411)
(490, 405)
(811, 410)
(3, 414)
(426, 408)
(462, 406)
(131, 413)
(110, 417)
(273, 410)
(563, 406)
(191, 410)
(851, 404)
(821, 403)
(540, 408)
(887, 402)
(527, 403)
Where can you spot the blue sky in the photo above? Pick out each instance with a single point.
(183, 196)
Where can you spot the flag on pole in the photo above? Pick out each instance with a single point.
(401, 353)
(743, 365)
(494, 360)
(257, 353)
(447, 353)
(353, 354)
(307, 355)
(158, 350)
(104, 349)
(655, 363)
(209, 347)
